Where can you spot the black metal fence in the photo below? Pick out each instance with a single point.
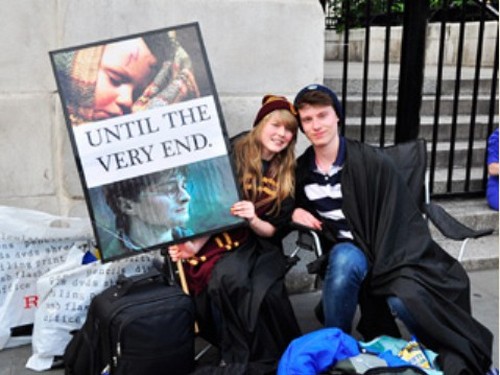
(455, 111)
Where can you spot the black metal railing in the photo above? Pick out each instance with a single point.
(455, 113)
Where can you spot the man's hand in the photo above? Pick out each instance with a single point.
(305, 218)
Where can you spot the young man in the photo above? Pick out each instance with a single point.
(149, 210)
(379, 252)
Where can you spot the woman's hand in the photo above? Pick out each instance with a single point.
(244, 209)
(183, 250)
(187, 249)
(303, 217)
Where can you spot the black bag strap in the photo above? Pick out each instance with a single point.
(163, 269)
(125, 283)
(166, 268)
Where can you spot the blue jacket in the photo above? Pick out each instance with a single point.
(314, 352)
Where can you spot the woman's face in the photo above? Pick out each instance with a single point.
(126, 69)
(275, 136)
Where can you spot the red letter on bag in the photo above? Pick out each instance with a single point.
(30, 301)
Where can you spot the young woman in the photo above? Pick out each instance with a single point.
(237, 276)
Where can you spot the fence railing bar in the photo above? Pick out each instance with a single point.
(366, 63)
(458, 76)
(386, 75)
(444, 136)
(345, 71)
(477, 77)
(437, 105)
(494, 80)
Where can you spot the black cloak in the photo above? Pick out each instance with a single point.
(404, 260)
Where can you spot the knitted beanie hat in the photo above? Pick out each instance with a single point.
(317, 87)
(271, 103)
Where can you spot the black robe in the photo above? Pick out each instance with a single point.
(404, 260)
(246, 290)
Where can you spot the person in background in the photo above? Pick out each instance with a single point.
(237, 277)
(492, 162)
(378, 248)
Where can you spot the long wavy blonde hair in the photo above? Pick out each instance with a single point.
(248, 160)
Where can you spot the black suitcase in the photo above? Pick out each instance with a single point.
(142, 325)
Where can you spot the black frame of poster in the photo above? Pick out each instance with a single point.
(149, 139)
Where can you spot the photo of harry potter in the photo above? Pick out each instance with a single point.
(148, 210)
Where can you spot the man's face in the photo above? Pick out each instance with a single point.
(125, 70)
(165, 203)
(320, 124)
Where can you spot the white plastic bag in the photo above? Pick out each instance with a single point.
(65, 293)
(31, 244)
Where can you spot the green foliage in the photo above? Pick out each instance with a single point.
(352, 13)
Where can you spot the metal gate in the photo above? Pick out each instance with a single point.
(455, 111)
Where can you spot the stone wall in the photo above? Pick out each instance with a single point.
(254, 47)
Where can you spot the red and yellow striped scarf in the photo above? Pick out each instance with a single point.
(199, 268)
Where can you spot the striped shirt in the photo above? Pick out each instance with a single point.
(325, 193)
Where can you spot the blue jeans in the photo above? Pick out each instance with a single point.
(398, 309)
(346, 269)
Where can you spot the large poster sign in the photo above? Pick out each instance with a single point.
(149, 139)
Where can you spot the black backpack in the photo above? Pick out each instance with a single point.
(141, 325)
